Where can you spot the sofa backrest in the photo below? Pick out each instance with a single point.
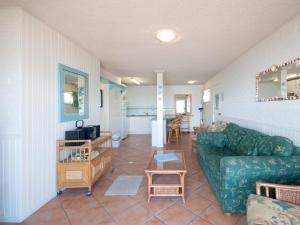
(234, 134)
(244, 141)
(296, 150)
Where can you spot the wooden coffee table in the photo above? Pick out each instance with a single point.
(159, 174)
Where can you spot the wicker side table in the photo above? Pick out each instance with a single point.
(175, 168)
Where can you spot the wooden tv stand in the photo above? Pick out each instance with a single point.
(80, 163)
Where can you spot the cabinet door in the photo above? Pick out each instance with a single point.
(140, 125)
(74, 175)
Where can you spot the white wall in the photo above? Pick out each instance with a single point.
(141, 96)
(111, 113)
(237, 81)
(145, 96)
(10, 119)
(115, 110)
(42, 48)
(104, 111)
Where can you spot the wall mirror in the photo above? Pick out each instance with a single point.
(280, 82)
(73, 94)
(183, 103)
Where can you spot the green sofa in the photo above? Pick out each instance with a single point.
(233, 160)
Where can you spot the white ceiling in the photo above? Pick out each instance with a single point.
(121, 32)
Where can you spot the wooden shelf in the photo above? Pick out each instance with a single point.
(85, 171)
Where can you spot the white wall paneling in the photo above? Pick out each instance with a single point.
(10, 119)
(237, 81)
(11, 182)
(42, 48)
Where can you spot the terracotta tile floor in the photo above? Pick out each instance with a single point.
(201, 207)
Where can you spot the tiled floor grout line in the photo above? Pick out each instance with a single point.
(201, 216)
(105, 209)
(65, 213)
(160, 220)
(160, 211)
(156, 214)
(152, 217)
(195, 213)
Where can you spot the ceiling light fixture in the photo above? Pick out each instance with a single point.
(166, 35)
(135, 81)
(191, 82)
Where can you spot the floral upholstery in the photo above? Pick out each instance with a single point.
(232, 172)
(217, 139)
(234, 135)
(267, 211)
(281, 146)
(296, 150)
(247, 145)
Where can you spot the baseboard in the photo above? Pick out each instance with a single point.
(29, 212)
(13, 219)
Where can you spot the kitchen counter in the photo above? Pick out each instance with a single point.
(165, 117)
(140, 124)
(141, 115)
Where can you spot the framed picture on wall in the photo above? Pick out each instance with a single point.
(101, 98)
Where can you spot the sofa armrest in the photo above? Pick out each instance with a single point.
(239, 175)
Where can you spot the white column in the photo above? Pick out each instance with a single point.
(160, 113)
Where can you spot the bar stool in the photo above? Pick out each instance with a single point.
(174, 129)
(174, 132)
(178, 121)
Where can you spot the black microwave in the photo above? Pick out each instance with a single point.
(83, 133)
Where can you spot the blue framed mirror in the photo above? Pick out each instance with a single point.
(73, 94)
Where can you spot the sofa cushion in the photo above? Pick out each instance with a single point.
(234, 134)
(247, 145)
(281, 146)
(262, 210)
(263, 146)
(212, 150)
(217, 139)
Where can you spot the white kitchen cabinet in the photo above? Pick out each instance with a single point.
(140, 124)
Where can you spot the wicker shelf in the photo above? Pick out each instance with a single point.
(78, 166)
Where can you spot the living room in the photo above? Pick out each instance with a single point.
(233, 67)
